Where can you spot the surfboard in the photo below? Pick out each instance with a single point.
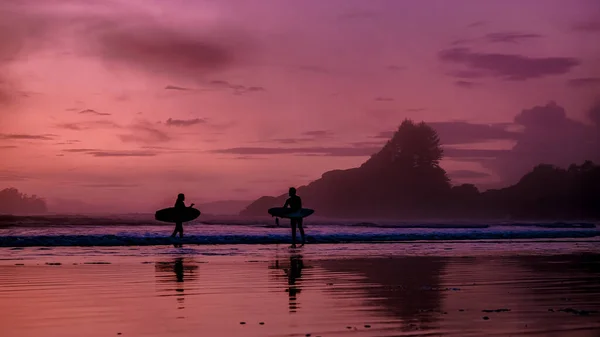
(281, 212)
(173, 215)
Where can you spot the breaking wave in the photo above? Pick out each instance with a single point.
(150, 240)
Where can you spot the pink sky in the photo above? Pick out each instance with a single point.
(130, 102)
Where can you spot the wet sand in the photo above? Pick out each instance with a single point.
(296, 292)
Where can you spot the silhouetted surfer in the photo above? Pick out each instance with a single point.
(179, 205)
(295, 204)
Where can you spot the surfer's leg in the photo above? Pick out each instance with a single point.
(180, 229)
(301, 230)
(293, 222)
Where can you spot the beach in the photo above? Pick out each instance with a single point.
(455, 288)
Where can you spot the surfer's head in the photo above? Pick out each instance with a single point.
(292, 191)
(181, 197)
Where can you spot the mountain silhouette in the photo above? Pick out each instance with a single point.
(404, 180)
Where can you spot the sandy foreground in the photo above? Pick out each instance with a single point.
(272, 290)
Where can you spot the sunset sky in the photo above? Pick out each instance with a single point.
(126, 103)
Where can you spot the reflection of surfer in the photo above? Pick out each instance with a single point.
(295, 204)
(179, 206)
(294, 274)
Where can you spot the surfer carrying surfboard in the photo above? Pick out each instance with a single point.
(179, 206)
(295, 204)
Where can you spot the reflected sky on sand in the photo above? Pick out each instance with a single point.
(293, 292)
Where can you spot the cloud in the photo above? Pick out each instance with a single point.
(89, 125)
(94, 112)
(8, 146)
(549, 136)
(319, 133)
(120, 35)
(155, 48)
(415, 109)
(510, 37)
(585, 82)
(237, 89)
(79, 150)
(111, 153)
(466, 84)
(467, 174)
(145, 133)
(384, 99)
(509, 66)
(12, 136)
(307, 136)
(461, 132)
(122, 154)
(109, 185)
(173, 87)
(185, 122)
(473, 154)
(307, 151)
(476, 24)
(592, 26)
(12, 176)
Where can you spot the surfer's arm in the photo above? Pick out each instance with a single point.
(192, 205)
(287, 202)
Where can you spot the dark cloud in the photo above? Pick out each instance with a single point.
(592, 26)
(415, 109)
(110, 153)
(585, 82)
(468, 174)
(384, 99)
(122, 153)
(307, 151)
(319, 133)
(307, 137)
(237, 89)
(173, 87)
(79, 150)
(184, 122)
(549, 136)
(466, 84)
(118, 34)
(510, 37)
(145, 133)
(89, 125)
(509, 66)
(157, 49)
(71, 109)
(460, 132)
(12, 136)
(473, 154)
(249, 158)
(93, 112)
(8, 146)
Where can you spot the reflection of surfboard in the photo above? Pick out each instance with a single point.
(174, 215)
(281, 212)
